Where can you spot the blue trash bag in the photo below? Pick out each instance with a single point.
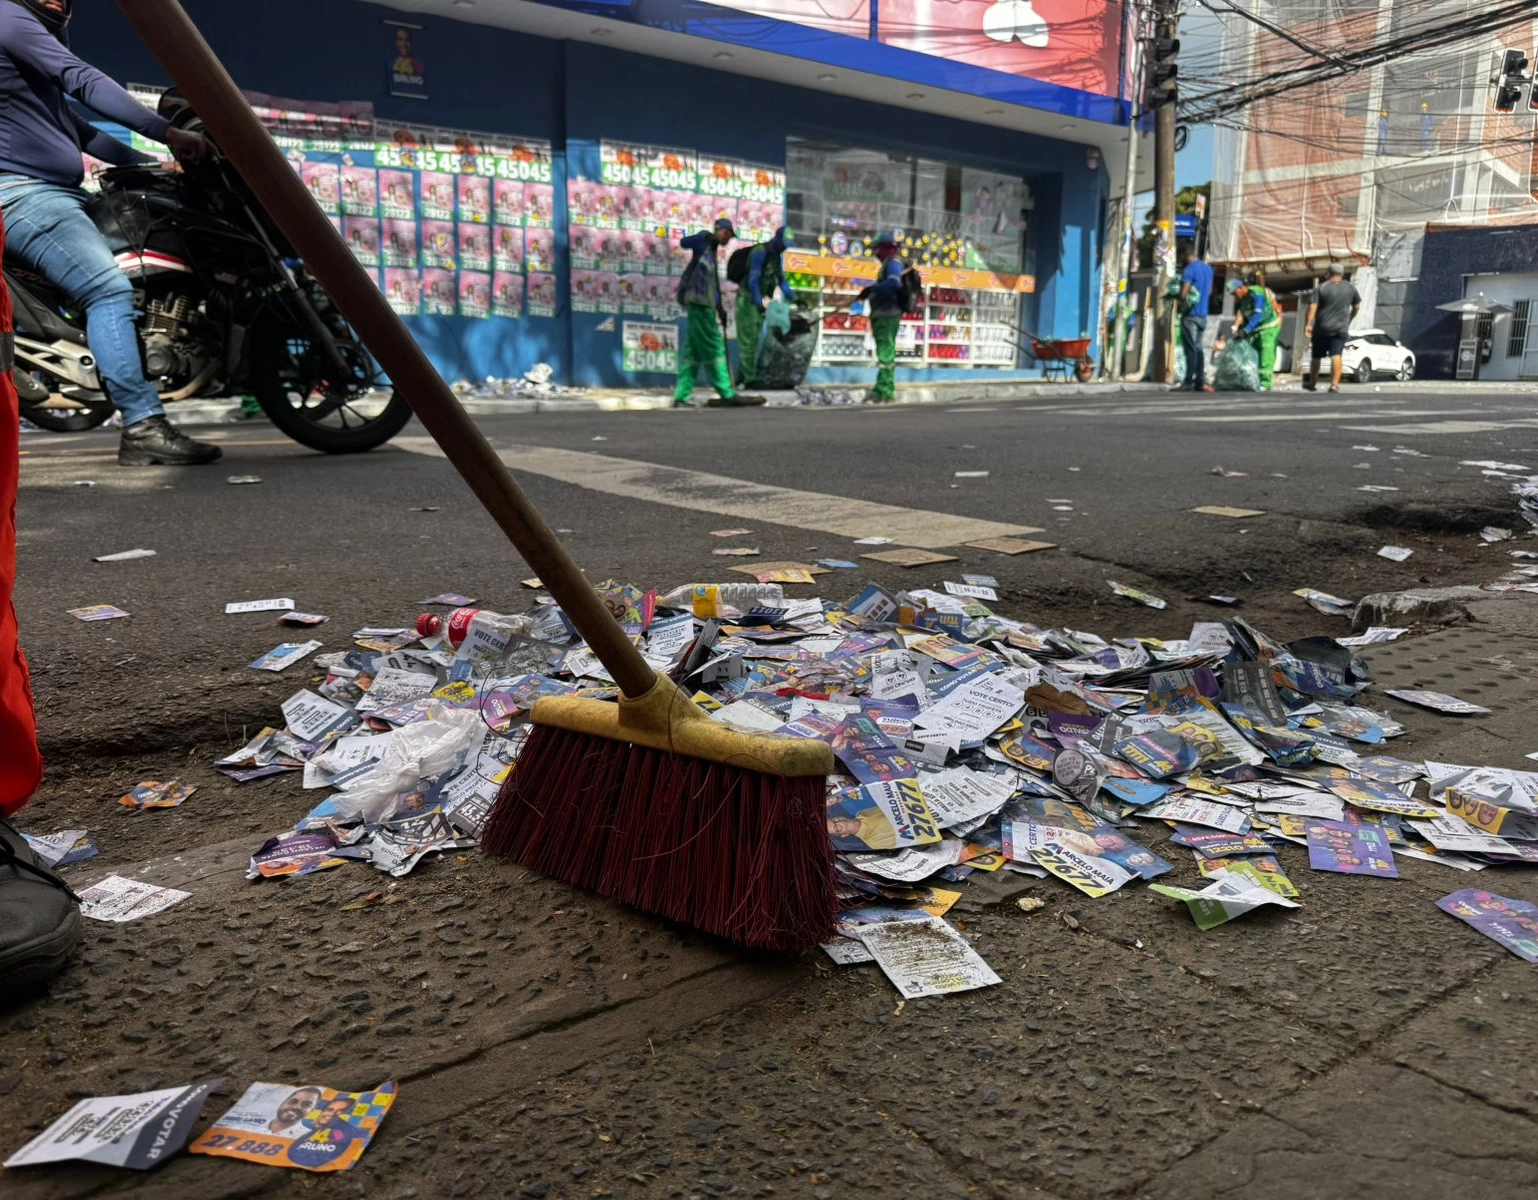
(784, 355)
(777, 316)
(1238, 369)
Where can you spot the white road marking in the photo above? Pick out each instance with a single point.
(742, 499)
(1448, 426)
(1324, 416)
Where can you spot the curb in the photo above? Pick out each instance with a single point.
(225, 412)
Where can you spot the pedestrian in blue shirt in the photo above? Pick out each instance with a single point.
(44, 207)
(886, 312)
(1195, 302)
(704, 340)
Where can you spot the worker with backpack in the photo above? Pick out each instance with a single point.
(897, 290)
(704, 340)
(757, 271)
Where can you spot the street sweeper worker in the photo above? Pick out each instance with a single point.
(1256, 319)
(886, 310)
(764, 274)
(704, 340)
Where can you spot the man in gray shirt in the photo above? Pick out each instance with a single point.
(1330, 315)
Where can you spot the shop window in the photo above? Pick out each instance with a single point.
(1516, 342)
(966, 230)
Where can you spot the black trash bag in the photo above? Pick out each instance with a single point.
(784, 357)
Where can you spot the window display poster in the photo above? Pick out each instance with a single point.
(407, 75)
(649, 348)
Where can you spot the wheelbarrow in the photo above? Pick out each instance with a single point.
(1061, 358)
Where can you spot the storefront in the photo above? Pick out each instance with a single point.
(519, 196)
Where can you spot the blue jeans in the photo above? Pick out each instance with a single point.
(1193, 328)
(48, 231)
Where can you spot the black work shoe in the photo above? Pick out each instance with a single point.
(39, 918)
(741, 401)
(154, 441)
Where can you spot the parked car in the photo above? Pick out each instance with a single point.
(1373, 352)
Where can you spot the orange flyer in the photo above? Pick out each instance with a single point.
(306, 1126)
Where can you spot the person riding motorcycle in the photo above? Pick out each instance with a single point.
(44, 207)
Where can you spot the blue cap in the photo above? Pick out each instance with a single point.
(1234, 285)
(725, 223)
(886, 238)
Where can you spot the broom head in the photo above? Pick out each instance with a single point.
(655, 804)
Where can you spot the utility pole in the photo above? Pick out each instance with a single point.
(1164, 47)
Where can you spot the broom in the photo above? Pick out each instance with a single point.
(649, 800)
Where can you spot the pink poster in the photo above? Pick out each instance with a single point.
(606, 289)
(323, 182)
(439, 248)
(634, 207)
(437, 196)
(1072, 43)
(398, 194)
(633, 251)
(538, 205)
(400, 243)
(507, 247)
(633, 295)
(610, 249)
(662, 296)
(438, 293)
(474, 294)
(584, 291)
(362, 237)
(508, 202)
(541, 295)
(606, 205)
(402, 290)
(474, 200)
(360, 191)
(584, 247)
(507, 294)
(538, 253)
(474, 247)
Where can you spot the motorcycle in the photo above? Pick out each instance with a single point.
(225, 309)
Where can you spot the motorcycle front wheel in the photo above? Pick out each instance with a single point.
(290, 381)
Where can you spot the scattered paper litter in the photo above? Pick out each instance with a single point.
(1132, 593)
(1374, 635)
(137, 1131)
(1395, 553)
(244, 479)
(909, 558)
(284, 655)
(1376, 487)
(971, 475)
(250, 606)
(1439, 701)
(118, 899)
(1330, 606)
(1223, 510)
(1009, 545)
(1512, 923)
(452, 599)
(1228, 896)
(873, 541)
(153, 794)
(975, 591)
(725, 533)
(926, 957)
(124, 556)
(97, 612)
(735, 552)
(1494, 533)
(310, 1127)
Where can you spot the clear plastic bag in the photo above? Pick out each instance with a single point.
(416, 752)
(1238, 369)
(785, 354)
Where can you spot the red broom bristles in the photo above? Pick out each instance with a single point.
(736, 853)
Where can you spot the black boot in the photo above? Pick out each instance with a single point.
(154, 441)
(39, 918)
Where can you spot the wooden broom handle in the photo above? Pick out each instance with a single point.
(192, 65)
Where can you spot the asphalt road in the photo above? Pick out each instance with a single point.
(553, 1044)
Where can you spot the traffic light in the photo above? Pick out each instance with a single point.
(1512, 80)
(1163, 73)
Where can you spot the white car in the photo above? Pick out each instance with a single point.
(1373, 352)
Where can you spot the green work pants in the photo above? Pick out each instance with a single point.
(884, 330)
(703, 346)
(1265, 346)
(750, 325)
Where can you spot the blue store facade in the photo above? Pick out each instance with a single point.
(992, 169)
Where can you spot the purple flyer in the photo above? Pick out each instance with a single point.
(1350, 849)
(1512, 923)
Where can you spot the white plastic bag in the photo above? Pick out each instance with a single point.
(417, 752)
